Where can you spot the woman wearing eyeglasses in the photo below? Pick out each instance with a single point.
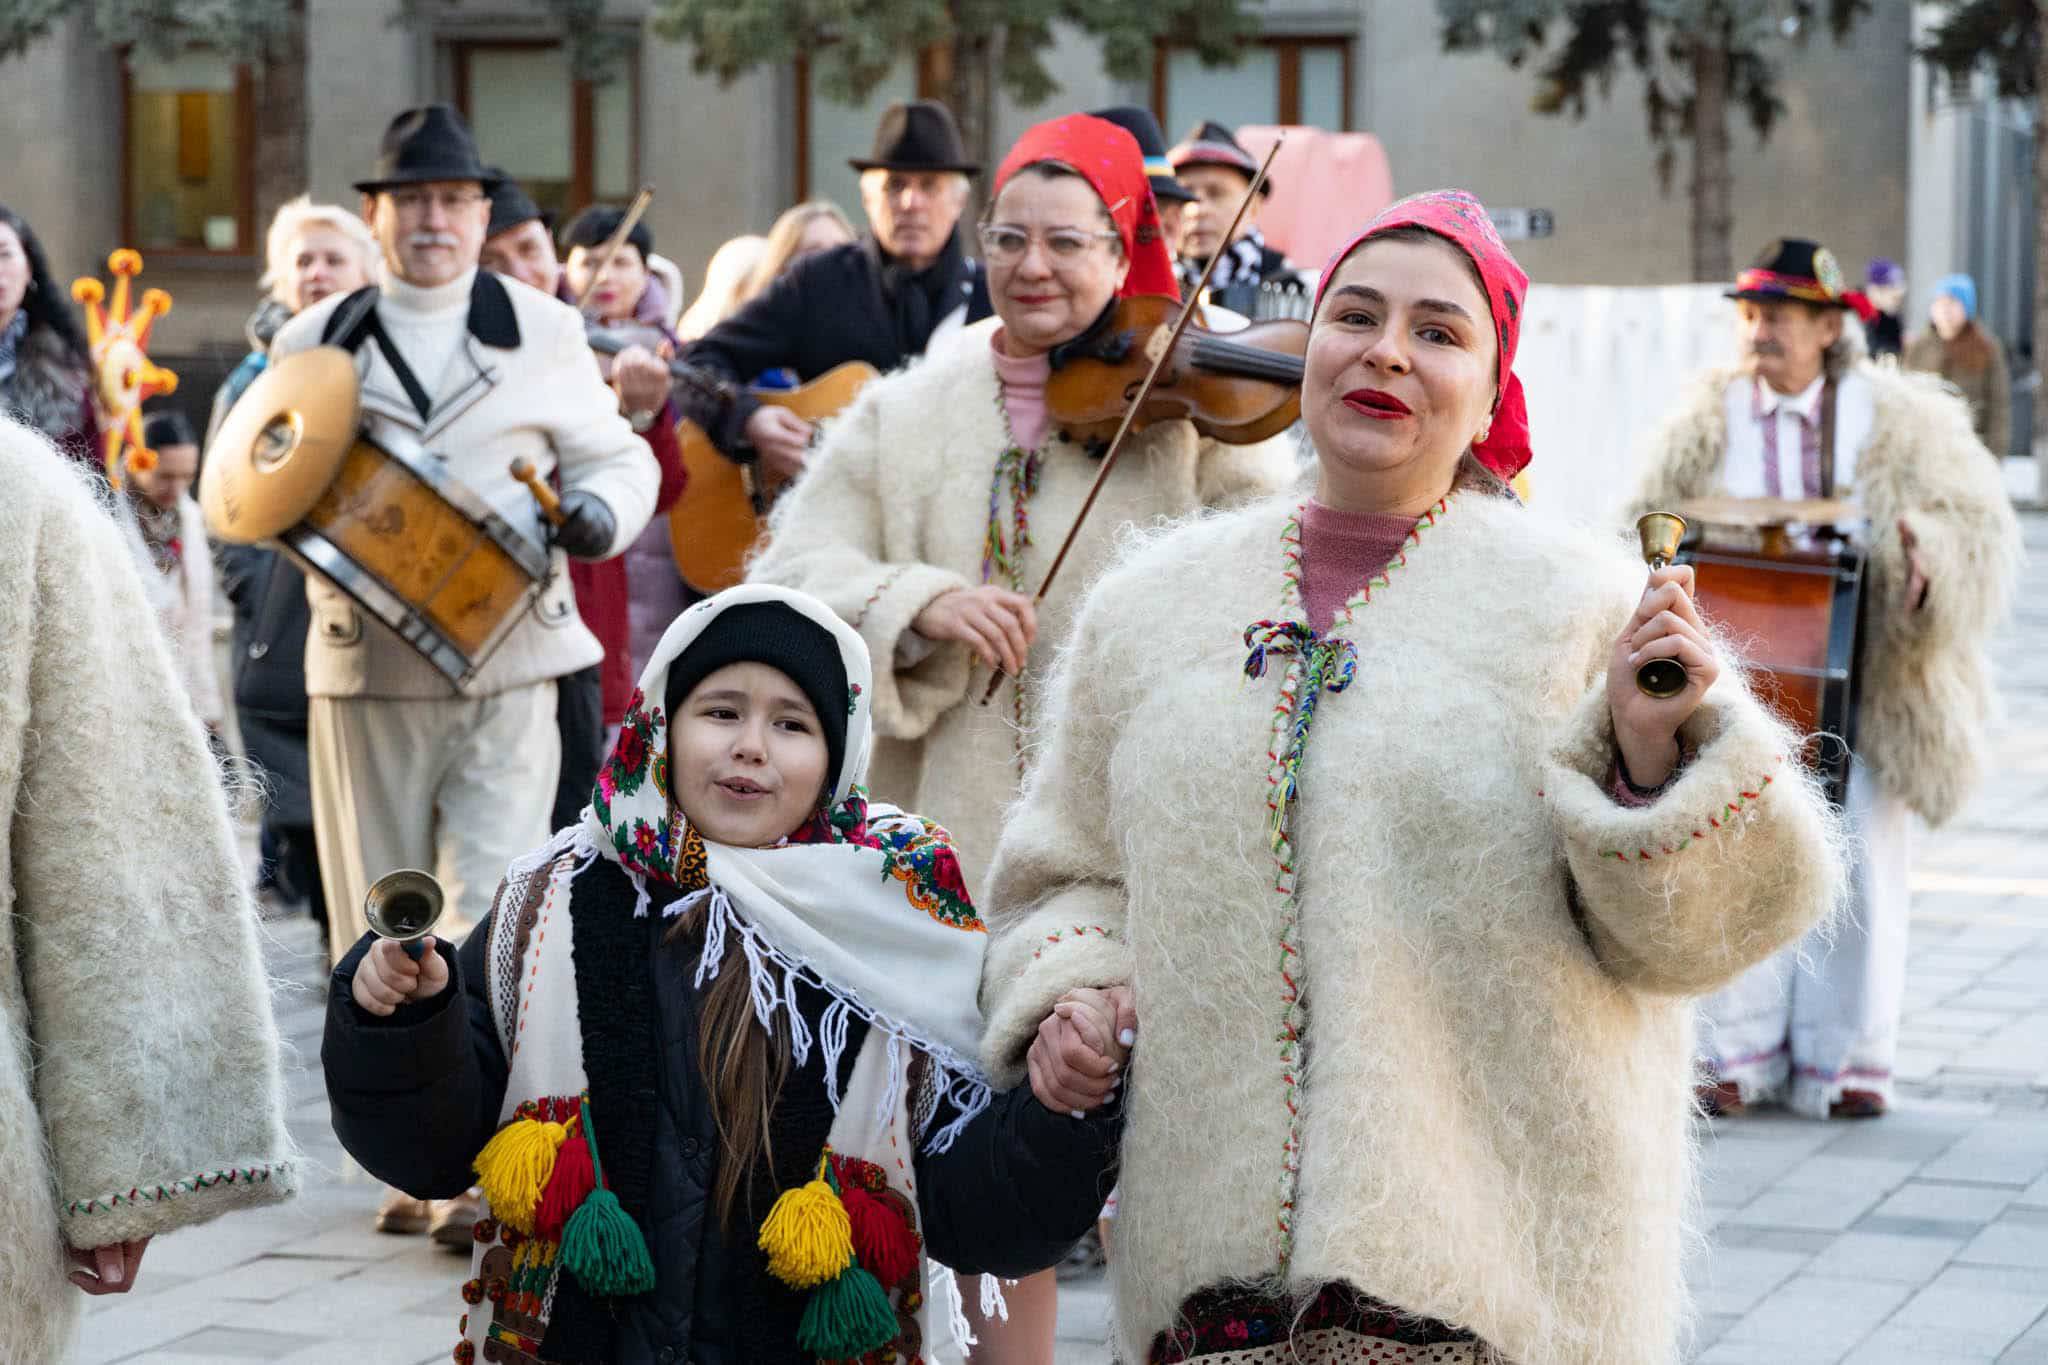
(935, 504)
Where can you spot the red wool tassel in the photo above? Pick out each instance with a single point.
(882, 1238)
(568, 1186)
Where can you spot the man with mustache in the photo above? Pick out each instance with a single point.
(407, 769)
(881, 299)
(1808, 415)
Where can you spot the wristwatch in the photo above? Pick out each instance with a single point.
(641, 419)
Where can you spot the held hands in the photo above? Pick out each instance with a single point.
(1666, 625)
(997, 624)
(587, 525)
(640, 378)
(109, 1269)
(781, 438)
(387, 978)
(1077, 1060)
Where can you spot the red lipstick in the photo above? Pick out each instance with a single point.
(1376, 403)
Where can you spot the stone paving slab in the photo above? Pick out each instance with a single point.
(1918, 1238)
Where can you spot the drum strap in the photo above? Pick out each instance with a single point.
(354, 322)
(1827, 439)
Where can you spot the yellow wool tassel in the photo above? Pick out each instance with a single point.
(514, 1166)
(807, 1235)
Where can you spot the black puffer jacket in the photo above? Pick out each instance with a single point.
(416, 1096)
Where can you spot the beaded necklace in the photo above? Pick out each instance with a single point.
(1315, 663)
(1016, 473)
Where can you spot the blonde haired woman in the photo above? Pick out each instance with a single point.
(732, 265)
(801, 232)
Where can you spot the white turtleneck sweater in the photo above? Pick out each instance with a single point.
(426, 324)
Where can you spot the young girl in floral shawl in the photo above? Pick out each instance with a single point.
(710, 1057)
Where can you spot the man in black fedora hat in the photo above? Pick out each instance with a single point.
(1250, 277)
(1167, 191)
(470, 372)
(881, 299)
(1806, 415)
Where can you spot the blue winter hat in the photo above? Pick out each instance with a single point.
(1962, 289)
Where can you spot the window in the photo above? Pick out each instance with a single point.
(188, 140)
(1285, 80)
(569, 142)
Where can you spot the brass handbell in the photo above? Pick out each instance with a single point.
(403, 906)
(1660, 534)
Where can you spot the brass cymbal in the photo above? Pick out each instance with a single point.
(280, 446)
(1762, 513)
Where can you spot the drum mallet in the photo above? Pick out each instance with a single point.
(1660, 534)
(550, 505)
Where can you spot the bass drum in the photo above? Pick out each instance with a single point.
(1796, 619)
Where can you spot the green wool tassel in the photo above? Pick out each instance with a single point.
(847, 1318)
(603, 1248)
(601, 1244)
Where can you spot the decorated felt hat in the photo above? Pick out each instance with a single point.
(1211, 144)
(1793, 268)
(1140, 124)
(427, 144)
(511, 205)
(917, 136)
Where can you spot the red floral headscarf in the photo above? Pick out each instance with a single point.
(1111, 161)
(1462, 221)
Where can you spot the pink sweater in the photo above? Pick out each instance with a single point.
(1023, 382)
(1340, 551)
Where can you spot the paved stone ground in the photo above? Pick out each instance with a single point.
(1921, 1237)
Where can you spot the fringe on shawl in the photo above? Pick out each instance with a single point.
(773, 979)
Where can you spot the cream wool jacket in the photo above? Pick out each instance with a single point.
(1496, 958)
(1926, 684)
(140, 1088)
(894, 511)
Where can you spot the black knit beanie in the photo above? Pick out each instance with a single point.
(783, 638)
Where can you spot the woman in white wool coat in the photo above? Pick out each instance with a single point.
(938, 501)
(1412, 899)
(132, 1101)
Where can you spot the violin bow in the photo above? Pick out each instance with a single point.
(612, 244)
(1116, 444)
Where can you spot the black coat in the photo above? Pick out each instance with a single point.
(415, 1096)
(1252, 298)
(849, 303)
(271, 619)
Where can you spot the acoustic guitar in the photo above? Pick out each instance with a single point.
(724, 507)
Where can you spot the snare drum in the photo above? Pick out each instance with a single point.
(369, 510)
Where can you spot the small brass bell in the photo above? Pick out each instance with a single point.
(1660, 534)
(403, 906)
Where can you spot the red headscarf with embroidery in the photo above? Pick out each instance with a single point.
(1462, 221)
(1113, 164)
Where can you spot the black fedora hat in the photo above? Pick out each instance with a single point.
(1793, 268)
(511, 205)
(1209, 143)
(427, 144)
(918, 136)
(1140, 124)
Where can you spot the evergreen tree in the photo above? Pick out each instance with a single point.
(972, 47)
(247, 28)
(1698, 59)
(2004, 37)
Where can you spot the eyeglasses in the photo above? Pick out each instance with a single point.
(1005, 245)
(413, 202)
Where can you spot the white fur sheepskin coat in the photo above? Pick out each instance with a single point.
(1926, 678)
(1496, 958)
(140, 1088)
(894, 511)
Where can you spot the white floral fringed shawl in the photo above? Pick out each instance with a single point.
(865, 903)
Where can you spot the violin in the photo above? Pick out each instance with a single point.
(609, 338)
(1236, 387)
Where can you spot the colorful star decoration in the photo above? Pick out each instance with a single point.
(126, 375)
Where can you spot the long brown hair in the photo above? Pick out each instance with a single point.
(743, 1063)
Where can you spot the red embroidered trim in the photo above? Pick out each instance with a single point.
(1078, 931)
(1731, 808)
(888, 581)
(156, 1194)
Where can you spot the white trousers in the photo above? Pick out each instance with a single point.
(1822, 1016)
(458, 788)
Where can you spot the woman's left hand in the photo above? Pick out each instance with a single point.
(109, 1269)
(1666, 625)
